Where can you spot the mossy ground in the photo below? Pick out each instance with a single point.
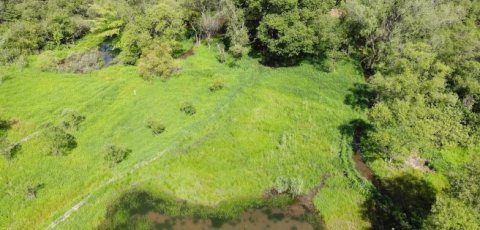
(264, 124)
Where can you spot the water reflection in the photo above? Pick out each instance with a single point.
(107, 51)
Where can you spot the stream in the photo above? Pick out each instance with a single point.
(357, 157)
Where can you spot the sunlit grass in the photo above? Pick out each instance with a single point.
(266, 123)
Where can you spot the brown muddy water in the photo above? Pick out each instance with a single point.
(276, 218)
(357, 157)
(143, 210)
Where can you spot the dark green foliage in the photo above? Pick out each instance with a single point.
(156, 126)
(188, 109)
(287, 30)
(465, 184)
(450, 213)
(402, 202)
(71, 119)
(28, 26)
(60, 142)
(115, 154)
(459, 206)
(285, 35)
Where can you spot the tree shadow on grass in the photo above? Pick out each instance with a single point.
(399, 203)
(142, 210)
(361, 97)
(356, 130)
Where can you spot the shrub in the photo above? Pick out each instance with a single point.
(157, 61)
(32, 190)
(238, 51)
(71, 119)
(290, 186)
(61, 142)
(21, 62)
(221, 55)
(81, 62)
(188, 109)
(156, 126)
(216, 86)
(114, 154)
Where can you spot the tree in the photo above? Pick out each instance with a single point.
(450, 213)
(416, 113)
(204, 17)
(286, 29)
(458, 207)
(378, 26)
(237, 32)
(285, 35)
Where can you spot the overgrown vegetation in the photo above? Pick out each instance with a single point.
(80, 62)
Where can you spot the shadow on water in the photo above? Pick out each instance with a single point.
(142, 210)
(399, 203)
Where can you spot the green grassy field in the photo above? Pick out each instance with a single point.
(264, 124)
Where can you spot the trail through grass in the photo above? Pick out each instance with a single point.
(265, 124)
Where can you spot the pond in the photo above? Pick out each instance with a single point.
(108, 52)
(264, 218)
(141, 210)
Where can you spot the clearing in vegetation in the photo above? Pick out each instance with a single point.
(263, 125)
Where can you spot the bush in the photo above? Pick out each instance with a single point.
(61, 142)
(188, 109)
(114, 154)
(32, 190)
(81, 62)
(156, 127)
(238, 51)
(216, 86)
(157, 61)
(71, 119)
(283, 185)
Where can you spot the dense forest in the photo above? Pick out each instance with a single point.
(420, 87)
